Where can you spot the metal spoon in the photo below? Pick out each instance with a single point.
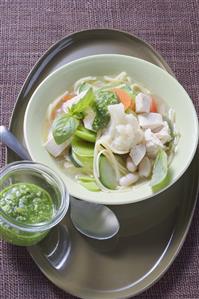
(93, 220)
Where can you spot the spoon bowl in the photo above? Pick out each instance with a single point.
(93, 220)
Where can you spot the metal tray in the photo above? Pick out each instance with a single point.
(152, 232)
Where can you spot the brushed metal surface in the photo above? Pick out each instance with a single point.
(152, 232)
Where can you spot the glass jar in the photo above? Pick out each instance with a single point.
(23, 234)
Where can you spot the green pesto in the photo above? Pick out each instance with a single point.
(27, 204)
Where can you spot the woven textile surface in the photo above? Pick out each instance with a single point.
(27, 29)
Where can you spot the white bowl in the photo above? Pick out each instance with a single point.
(150, 76)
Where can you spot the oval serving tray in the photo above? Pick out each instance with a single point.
(152, 232)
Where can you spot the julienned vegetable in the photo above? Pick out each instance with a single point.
(107, 173)
(85, 134)
(112, 133)
(89, 183)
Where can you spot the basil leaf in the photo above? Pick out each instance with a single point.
(83, 104)
(64, 127)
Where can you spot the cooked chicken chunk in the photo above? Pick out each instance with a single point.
(142, 103)
(145, 167)
(137, 153)
(128, 179)
(150, 120)
(153, 143)
(164, 133)
(53, 148)
(123, 131)
(130, 165)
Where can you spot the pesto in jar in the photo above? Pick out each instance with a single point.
(26, 204)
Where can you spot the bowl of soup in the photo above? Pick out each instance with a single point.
(117, 129)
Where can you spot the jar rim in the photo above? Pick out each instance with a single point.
(39, 168)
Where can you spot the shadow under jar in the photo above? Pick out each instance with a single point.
(33, 199)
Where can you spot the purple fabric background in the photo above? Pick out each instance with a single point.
(27, 29)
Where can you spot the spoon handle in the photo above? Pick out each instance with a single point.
(11, 141)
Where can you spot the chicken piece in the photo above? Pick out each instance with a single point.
(89, 118)
(53, 148)
(153, 143)
(145, 167)
(129, 179)
(123, 131)
(67, 105)
(142, 103)
(137, 153)
(150, 120)
(164, 133)
(130, 165)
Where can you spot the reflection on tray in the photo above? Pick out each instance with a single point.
(56, 246)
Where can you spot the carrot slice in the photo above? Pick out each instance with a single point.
(124, 98)
(67, 97)
(153, 107)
